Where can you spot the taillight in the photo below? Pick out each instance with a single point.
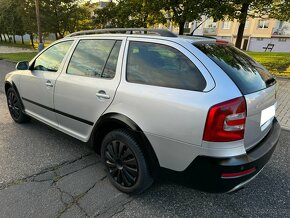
(226, 121)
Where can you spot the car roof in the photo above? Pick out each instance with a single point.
(179, 39)
(162, 34)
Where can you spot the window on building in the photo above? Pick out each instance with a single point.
(282, 40)
(226, 25)
(263, 24)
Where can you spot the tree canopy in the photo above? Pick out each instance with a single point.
(65, 16)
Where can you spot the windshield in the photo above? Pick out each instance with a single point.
(247, 74)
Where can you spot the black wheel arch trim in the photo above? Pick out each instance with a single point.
(122, 121)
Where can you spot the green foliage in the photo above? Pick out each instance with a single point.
(62, 16)
(15, 57)
(185, 10)
(281, 10)
(277, 63)
(57, 16)
(129, 13)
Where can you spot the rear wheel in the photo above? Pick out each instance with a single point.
(15, 108)
(125, 162)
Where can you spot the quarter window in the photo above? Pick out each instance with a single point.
(161, 65)
(92, 57)
(110, 68)
(51, 59)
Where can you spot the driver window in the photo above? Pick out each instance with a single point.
(51, 59)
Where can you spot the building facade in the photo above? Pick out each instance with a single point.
(259, 34)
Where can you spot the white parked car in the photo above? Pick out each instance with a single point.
(146, 99)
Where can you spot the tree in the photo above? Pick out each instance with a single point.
(29, 18)
(240, 10)
(281, 10)
(62, 16)
(129, 13)
(37, 12)
(184, 10)
(10, 19)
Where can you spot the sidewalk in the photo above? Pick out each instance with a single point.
(283, 110)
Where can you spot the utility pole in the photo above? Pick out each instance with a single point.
(40, 46)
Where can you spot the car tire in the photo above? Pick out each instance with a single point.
(125, 162)
(15, 107)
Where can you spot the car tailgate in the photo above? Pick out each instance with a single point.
(261, 107)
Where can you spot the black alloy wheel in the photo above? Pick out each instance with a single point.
(121, 163)
(14, 106)
(125, 162)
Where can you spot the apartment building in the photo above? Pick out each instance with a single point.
(259, 35)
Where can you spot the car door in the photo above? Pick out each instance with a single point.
(37, 84)
(88, 85)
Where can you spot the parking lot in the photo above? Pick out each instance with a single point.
(45, 173)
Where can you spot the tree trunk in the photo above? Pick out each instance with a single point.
(242, 20)
(9, 37)
(4, 37)
(31, 39)
(1, 37)
(181, 27)
(56, 37)
(38, 20)
(14, 40)
(22, 40)
(60, 35)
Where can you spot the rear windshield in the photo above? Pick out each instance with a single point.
(246, 73)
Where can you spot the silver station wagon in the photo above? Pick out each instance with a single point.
(147, 100)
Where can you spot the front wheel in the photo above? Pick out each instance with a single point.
(15, 108)
(125, 162)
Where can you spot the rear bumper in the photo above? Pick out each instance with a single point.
(206, 172)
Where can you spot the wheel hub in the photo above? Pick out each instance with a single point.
(119, 164)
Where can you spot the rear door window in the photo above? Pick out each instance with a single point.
(161, 65)
(247, 74)
(95, 58)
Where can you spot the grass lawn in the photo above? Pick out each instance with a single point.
(277, 63)
(15, 57)
(25, 45)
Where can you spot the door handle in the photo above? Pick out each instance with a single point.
(48, 83)
(102, 94)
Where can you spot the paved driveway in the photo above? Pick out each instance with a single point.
(44, 173)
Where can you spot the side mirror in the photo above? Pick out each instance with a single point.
(22, 65)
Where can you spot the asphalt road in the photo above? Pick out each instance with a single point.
(44, 173)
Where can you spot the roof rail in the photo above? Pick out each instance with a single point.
(161, 32)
